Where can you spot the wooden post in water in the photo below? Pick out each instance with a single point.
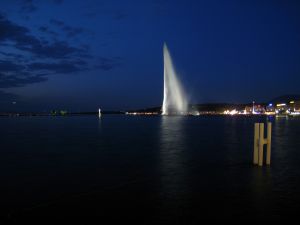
(261, 145)
(259, 142)
(269, 137)
(256, 140)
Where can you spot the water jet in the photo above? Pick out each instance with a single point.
(175, 101)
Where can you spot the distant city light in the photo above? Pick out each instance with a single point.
(295, 113)
(270, 109)
(232, 112)
(270, 113)
(281, 104)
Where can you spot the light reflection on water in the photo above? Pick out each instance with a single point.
(172, 155)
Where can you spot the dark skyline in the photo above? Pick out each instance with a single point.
(81, 55)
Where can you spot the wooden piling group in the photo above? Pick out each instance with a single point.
(260, 141)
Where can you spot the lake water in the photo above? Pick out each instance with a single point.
(147, 170)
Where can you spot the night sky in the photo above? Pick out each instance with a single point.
(81, 55)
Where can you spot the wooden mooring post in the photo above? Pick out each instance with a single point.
(260, 141)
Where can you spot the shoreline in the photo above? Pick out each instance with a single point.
(137, 114)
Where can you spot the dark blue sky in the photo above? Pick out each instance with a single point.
(81, 55)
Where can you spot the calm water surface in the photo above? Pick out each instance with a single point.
(150, 170)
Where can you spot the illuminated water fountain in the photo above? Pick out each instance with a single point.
(175, 101)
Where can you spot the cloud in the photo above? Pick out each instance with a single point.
(17, 75)
(8, 66)
(45, 29)
(69, 30)
(12, 57)
(24, 41)
(9, 30)
(20, 80)
(27, 6)
(56, 50)
(60, 67)
(31, 59)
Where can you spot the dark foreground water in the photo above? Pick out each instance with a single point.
(146, 170)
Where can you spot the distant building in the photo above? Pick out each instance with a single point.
(294, 106)
(297, 106)
(270, 109)
(248, 109)
(282, 108)
(260, 109)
